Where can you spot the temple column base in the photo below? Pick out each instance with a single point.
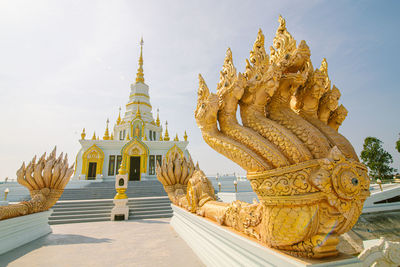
(120, 209)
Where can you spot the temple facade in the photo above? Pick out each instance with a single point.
(135, 144)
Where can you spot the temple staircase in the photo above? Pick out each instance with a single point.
(146, 200)
(106, 190)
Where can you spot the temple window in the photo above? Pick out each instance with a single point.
(154, 135)
(159, 159)
(111, 165)
(152, 168)
(150, 135)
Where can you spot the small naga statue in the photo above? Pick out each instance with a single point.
(307, 176)
(45, 179)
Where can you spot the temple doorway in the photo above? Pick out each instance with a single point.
(134, 169)
(92, 170)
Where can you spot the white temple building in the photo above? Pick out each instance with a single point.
(136, 140)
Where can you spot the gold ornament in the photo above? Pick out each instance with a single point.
(106, 133)
(83, 134)
(45, 180)
(166, 136)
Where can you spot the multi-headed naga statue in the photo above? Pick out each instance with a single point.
(307, 176)
(45, 179)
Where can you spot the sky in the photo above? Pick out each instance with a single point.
(68, 65)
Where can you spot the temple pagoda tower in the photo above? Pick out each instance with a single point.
(136, 140)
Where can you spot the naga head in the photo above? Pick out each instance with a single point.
(260, 74)
(231, 86)
(285, 53)
(318, 87)
(207, 106)
(330, 99)
(337, 117)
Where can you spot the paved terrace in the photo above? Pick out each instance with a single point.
(150, 242)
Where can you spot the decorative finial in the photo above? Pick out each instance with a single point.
(176, 138)
(127, 137)
(112, 136)
(119, 117)
(161, 138)
(94, 136)
(185, 137)
(106, 133)
(282, 24)
(324, 70)
(158, 118)
(140, 75)
(166, 136)
(122, 167)
(324, 66)
(83, 134)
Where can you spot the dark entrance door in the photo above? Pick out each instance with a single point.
(134, 170)
(92, 171)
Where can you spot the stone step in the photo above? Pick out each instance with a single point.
(150, 212)
(141, 208)
(141, 217)
(83, 204)
(99, 219)
(79, 216)
(79, 211)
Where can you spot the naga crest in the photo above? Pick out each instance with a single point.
(45, 179)
(298, 163)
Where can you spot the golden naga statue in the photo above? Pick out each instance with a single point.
(45, 179)
(307, 176)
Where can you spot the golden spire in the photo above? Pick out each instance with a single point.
(185, 136)
(112, 136)
(166, 136)
(176, 138)
(106, 133)
(161, 136)
(139, 74)
(144, 137)
(158, 118)
(94, 136)
(127, 137)
(138, 115)
(83, 134)
(119, 117)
